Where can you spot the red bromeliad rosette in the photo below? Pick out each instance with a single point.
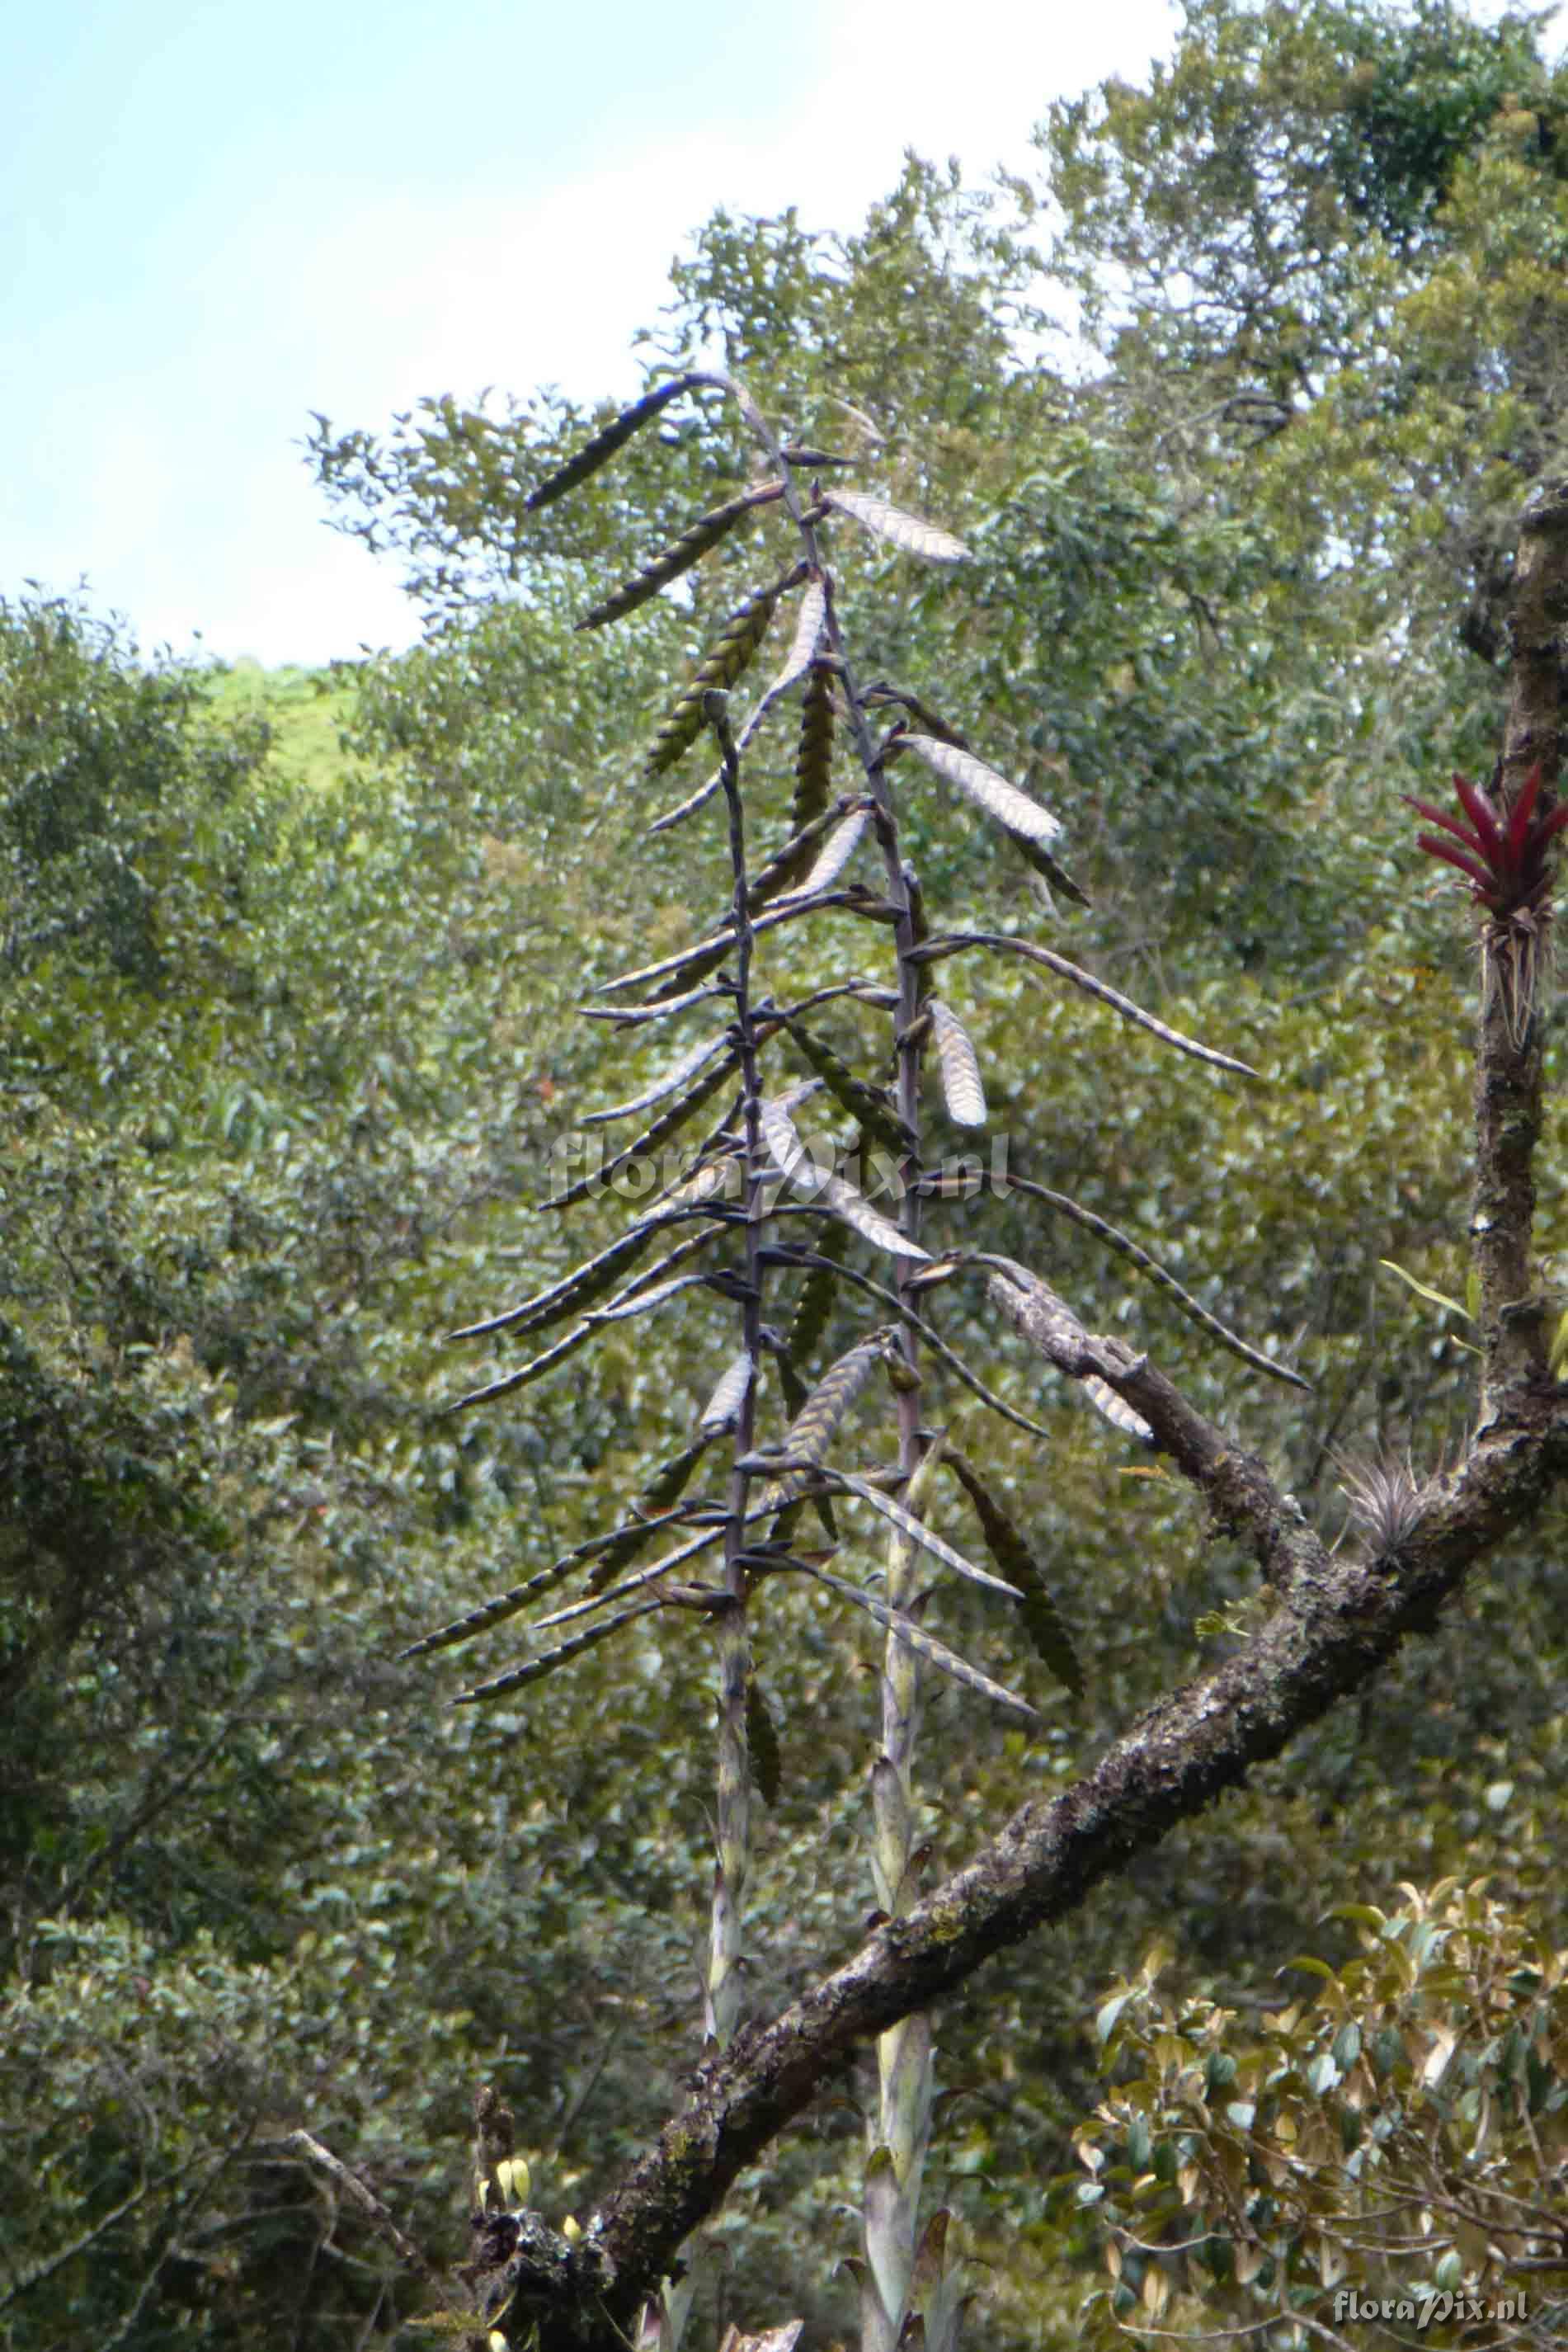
(1504, 853)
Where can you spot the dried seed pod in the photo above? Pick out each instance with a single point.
(912, 534)
(934, 951)
(669, 1123)
(722, 1410)
(600, 1593)
(642, 1301)
(797, 661)
(693, 543)
(720, 666)
(713, 1179)
(927, 1538)
(785, 868)
(612, 1550)
(881, 1232)
(574, 1290)
(811, 1432)
(490, 1613)
(675, 1076)
(679, 970)
(603, 445)
(815, 1303)
(1022, 818)
(927, 721)
(531, 1371)
(962, 1087)
(688, 807)
(790, 1154)
(865, 1103)
(834, 855)
(649, 1510)
(1048, 868)
(803, 645)
(814, 749)
(721, 1179)
(833, 1191)
(795, 1395)
(935, 1652)
(534, 1670)
(1043, 1619)
(762, 1744)
(795, 1389)
(920, 932)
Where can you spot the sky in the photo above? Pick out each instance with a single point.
(217, 219)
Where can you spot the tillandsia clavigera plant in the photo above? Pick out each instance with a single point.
(755, 1211)
(1504, 852)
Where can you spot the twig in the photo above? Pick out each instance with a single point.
(366, 2200)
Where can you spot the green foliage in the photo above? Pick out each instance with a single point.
(1398, 2134)
(1320, 254)
(112, 798)
(1418, 101)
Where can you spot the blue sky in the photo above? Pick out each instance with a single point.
(219, 218)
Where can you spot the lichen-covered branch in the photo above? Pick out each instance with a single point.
(1339, 1621)
(1238, 1490)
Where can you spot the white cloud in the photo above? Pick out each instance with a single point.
(156, 420)
(399, 296)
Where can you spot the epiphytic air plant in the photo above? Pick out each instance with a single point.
(1504, 855)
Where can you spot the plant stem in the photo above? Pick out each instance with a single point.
(900, 2131)
(721, 2005)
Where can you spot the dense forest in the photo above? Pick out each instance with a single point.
(1234, 409)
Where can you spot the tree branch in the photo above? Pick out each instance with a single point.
(1339, 1622)
(1235, 1485)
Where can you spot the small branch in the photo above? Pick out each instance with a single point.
(935, 949)
(158, 1797)
(75, 2246)
(1235, 1485)
(365, 2200)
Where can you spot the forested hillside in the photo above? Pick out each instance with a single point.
(291, 1057)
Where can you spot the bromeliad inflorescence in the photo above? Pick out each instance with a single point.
(1504, 855)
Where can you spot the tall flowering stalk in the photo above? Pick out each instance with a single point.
(900, 2128)
(722, 1991)
(721, 1230)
